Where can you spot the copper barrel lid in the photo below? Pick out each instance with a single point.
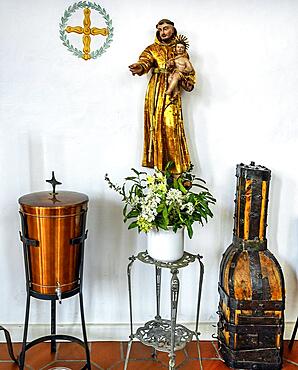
(53, 200)
(46, 199)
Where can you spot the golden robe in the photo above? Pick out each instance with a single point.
(164, 136)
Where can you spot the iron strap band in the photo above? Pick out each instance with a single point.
(249, 245)
(28, 241)
(54, 216)
(256, 277)
(256, 209)
(35, 243)
(252, 329)
(235, 304)
(79, 239)
(258, 357)
(253, 173)
(55, 286)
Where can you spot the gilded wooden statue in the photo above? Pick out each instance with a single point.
(168, 60)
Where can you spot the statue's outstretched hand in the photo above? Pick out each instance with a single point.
(136, 68)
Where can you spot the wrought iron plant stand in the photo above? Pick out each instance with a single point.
(53, 236)
(161, 334)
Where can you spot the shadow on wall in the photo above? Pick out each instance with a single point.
(195, 129)
(292, 271)
(284, 250)
(108, 247)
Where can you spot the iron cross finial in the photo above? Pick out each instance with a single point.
(54, 183)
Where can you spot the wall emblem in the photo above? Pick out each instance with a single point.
(86, 30)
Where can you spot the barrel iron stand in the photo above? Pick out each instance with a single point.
(78, 242)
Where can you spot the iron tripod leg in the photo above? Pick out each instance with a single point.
(25, 334)
(9, 344)
(128, 353)
(199, 301)
(174, 305)
(131, 259)
(53, 325)
(88, 363)
(199, 292)
(53, 337)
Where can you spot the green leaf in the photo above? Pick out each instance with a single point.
(189, 231)
(124, 210)
(133, 213)
(165, 216)
(181, 187)
(163, 226)
(160, 207)
(169, 166)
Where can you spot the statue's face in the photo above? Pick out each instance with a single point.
(165, 31)
(180, 49)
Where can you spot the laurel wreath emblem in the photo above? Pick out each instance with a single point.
(68, 13)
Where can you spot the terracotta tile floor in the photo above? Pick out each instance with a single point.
(111, 356)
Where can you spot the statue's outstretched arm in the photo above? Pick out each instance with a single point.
(136, 69)
(144, 64)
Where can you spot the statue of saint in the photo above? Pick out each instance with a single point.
(164, 136)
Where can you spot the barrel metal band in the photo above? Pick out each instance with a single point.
(55, 286)
(252, 329)
(249, 245)
(236, 304)
(53, 216)
(262, 173)
(255, 356)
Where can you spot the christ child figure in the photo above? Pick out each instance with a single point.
(180, 66)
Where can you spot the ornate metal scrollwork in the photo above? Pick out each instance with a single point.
(184, 261)
(157, 333)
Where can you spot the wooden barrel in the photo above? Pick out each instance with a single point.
(56, 223)
(251, 282)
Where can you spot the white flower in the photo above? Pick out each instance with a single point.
(174, 196)
(189, 208)
(135, 201)
(149, 205)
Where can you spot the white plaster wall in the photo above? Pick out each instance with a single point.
(83, 119)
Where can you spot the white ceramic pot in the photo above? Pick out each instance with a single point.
(165, 245)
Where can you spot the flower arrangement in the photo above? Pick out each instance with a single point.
(163, 200)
